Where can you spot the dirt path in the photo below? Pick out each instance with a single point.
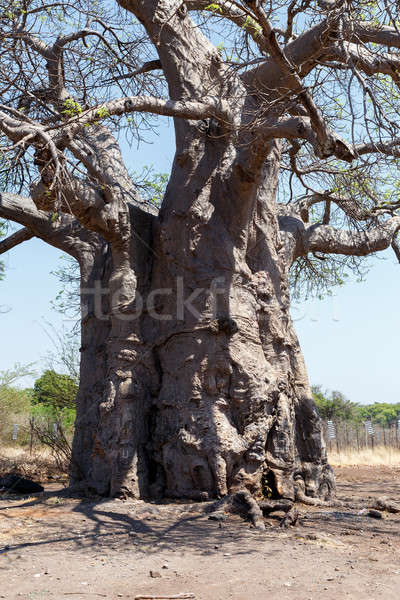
(60, 548)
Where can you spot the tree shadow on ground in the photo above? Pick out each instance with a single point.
(102, 524)
(58, 519)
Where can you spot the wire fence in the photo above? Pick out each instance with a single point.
(340, 436)
(347, 435)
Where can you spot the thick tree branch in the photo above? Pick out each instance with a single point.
(235, 14)
(31, 40)
(186, 55)
(349, 206)
(328, 240)
(292, 128)
(302, 52)
(369, 62)
(64, 233)
(98, 150)
(370, 32)
(185, 109)
(391, 148)
(326, 140)
(15, 239)
(396, 248)
(24, 211)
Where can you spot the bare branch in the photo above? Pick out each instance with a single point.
(349, 206)
(292, 128)
(371, 32)
(365, 60)
(15, 239)
(391, 148)
(234, 13)
(64, 232)
(396, 248)
(326, 140)
(185, 109)
(151, 65)
(326, 239)
(302, 52)
(31, 40)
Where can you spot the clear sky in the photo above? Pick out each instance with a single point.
(350, 341)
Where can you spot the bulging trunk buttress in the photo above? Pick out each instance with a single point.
(204, 390)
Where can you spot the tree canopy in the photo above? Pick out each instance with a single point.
(56, 390)
(68, 69)
(335, 406)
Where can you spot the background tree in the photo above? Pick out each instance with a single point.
(15, 402)
(55, 389)
(334, 406)
(382, 413)
(287, 148)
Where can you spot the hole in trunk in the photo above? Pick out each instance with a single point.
(268, 483)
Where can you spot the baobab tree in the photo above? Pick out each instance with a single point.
(286, 123)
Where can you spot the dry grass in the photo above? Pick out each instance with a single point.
(40, 465)
(380, 455)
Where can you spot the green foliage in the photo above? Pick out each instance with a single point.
(252, 26)
(151, 185)
(102, 113)
(52, 401)
(15, 403)
(71, 107)
(55, 390)
(15, 408)
(382, 413)
(47, 414)
(214, 8)
(11, 376)
(335, 406)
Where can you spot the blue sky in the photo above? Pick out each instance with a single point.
(350, 341)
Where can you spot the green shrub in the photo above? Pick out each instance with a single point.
(55, 390)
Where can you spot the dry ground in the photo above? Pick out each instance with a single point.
(55, 547)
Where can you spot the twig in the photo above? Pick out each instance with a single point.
(188, 596)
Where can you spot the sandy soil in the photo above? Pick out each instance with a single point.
(58, 548)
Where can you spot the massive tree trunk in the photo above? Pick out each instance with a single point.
(192, 380)
(203, 389)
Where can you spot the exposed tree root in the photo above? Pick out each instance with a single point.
(381, 504)
(291, 518)
(243, 503)
(301, 497)
(268, 506)
(385, 504)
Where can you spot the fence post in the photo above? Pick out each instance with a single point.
(31, 429)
